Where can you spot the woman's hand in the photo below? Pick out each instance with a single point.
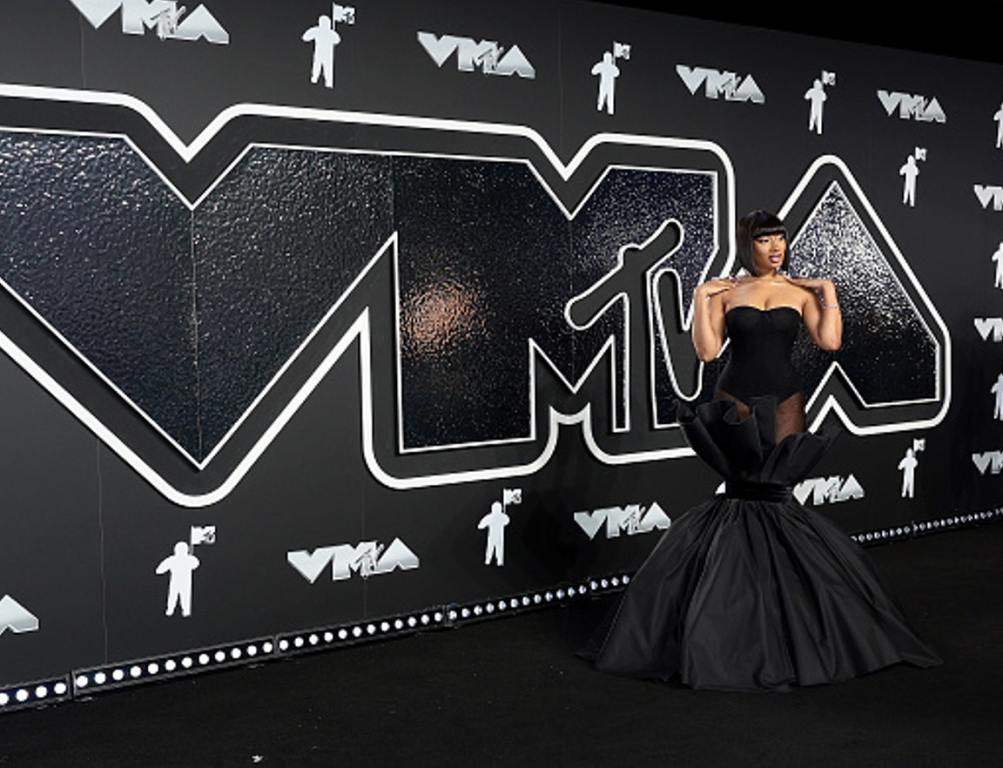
(811, 283)
(716, 286)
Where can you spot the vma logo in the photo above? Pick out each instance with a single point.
(824, 490)
(633, 519)
(485, 55)
(989, 326)
(909, 106)
(16, 617)
(989, 194)
(991, 461)
(162, 16)
(717, 84)
(367, 559)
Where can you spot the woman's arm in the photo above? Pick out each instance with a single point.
(822, 317)
(708, 317)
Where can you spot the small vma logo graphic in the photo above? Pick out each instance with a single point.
(632, 519)
(989, 195)
(165, 18)
(717, 84)
(828, 490)
(989, 328)
(486, 55)
(16, 617)
(368, 558)
(988, 462)
(911, 107)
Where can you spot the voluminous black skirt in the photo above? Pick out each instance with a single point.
(751, 590)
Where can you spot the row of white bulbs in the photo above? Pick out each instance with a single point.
(343, 634)
(113, 675)
(124, 674)
(927, 525)
(40, 692)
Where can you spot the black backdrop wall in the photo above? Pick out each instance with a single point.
(306, 327)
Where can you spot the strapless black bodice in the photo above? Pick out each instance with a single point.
(760, 352)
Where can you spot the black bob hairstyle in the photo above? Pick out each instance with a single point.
(756, 224)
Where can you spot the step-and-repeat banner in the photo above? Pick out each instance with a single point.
(320, 313)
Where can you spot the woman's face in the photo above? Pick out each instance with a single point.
(768, 252)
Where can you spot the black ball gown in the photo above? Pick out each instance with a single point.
(750, 590)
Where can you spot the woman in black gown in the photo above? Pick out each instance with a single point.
(750, 590)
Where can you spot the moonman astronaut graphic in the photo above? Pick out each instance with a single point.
(997, 259)
(816, 95)
(180, 565)
(997, 389)
(495, 521)
(908, 467)
(910, 171)
(324, 39)
(608, 72)
(998, 117)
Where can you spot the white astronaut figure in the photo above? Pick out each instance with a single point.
(997, 389)
(324, 39)
(908, 467)
(816, 95)
(910, 171)
(608, 72)
(495, 521)
(180, 565)
(997, 258)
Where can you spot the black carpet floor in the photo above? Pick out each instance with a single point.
(511, 692)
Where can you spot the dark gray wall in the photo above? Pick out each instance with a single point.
(338, 315)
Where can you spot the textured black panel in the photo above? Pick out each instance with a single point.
(276, 244)
(629, 207)
(887, 352)
(484, 267)
(96, 243)
(489, 261)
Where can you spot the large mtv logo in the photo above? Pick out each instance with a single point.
(600, 336)
(164, 17)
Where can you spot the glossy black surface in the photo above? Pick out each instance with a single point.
(98, 245)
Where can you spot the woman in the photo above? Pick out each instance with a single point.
(750, 590)
(765, 309)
